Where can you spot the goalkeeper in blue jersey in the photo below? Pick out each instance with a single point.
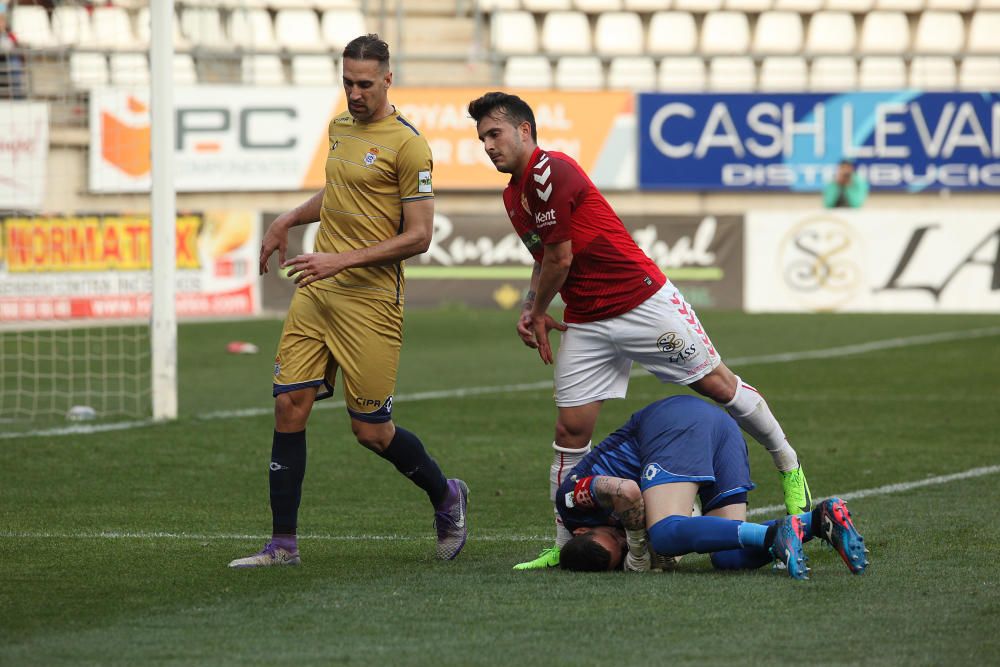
(629, 501)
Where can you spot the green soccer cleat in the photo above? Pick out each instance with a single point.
(798, 500)
(548, 558)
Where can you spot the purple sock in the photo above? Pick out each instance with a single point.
(287, 542)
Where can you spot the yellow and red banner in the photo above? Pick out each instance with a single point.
(98, 266)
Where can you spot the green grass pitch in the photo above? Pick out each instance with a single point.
(113, 546)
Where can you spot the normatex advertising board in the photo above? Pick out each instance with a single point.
(901, 140)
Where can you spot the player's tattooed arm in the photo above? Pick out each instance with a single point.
(529, 298)
(624, 498)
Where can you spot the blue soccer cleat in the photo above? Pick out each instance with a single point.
(837, 529)
(787, 547)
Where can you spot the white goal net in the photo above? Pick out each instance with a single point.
(76, 285)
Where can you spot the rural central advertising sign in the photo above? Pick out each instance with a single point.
(24, 151)
(97, 267)
(872, 261)
(478, 260)
(903, 140)
(268, 139)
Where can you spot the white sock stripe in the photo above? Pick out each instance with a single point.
(492, 537)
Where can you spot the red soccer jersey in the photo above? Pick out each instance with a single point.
(556, 201)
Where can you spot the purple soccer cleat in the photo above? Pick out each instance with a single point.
(269, 556)
(450, 521)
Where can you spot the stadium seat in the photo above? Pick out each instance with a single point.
(514, 33)
(142, 29)
(71, 27)
(579, 73)
(783, 74)
(979, 73)
(833, 74)
(911, 6)
(724, 33)
(314, 70)
(962, 5)
(672, 33)
(830, 33)
(800, 6)
(697, 6)
(636, 73)
(933, 73)
(31, 25)
(87, 70)
(340, 26)
(489, 6)
(885, 33)
(619, 34)
(251, 29)
(939, 32)
(984, 29)
(298, 30)
(646, 6)
(203, 27)
(597, 6)
(112, 29)
(748, 6)
(683, 74)
(853, 6)
(778, 33)
(882, 73)
(734, 74)
(324, 5)
(566, 33)
(129, 69)
(545, 6)
(184, 69)
(263, 70)
(527, 72)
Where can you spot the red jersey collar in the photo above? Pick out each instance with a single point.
(531, 163)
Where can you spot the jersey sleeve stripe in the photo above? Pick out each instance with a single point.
(416, 198)
(407, 124)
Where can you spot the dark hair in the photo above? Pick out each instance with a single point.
(368, 47)
(512, 107)
(583, 554)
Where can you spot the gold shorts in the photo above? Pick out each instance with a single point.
(326, 330)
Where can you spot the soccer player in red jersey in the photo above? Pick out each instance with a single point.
(620, 308)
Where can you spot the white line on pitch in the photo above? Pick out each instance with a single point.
(757, 511)
(464, 392)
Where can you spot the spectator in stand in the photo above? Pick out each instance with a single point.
(11, 67)
(847, 190)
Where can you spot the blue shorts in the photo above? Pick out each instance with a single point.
(719, 465)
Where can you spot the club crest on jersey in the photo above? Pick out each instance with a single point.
(371, 155)
(524, 204)
(651, 471)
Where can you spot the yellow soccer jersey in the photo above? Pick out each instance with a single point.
(371, 169)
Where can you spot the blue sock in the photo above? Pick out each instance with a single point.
(286, 472)
(407, 453)
(750, 558)
(752, 534)
(677, 535)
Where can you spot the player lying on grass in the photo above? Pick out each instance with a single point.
(640, 484)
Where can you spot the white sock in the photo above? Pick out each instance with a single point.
(563, 460)
(751, 412)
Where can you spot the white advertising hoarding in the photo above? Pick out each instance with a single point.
(872, 261)
(24, 152)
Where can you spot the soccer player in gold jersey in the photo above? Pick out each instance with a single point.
(376, 210)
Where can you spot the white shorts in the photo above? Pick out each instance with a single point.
(662, 334)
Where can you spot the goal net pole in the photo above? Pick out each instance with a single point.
(163, 324)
